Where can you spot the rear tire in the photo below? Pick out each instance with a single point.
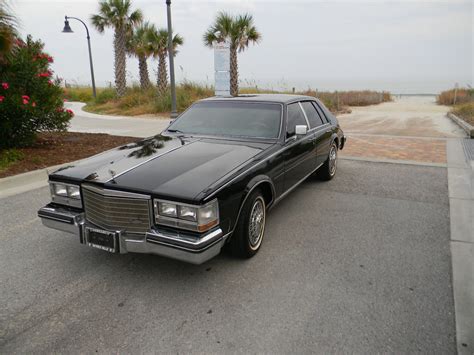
(250, 229)
(329, 168)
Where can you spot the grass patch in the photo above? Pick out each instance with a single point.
(9, 157)
(142, 102)
(84, 94)
(465, 111)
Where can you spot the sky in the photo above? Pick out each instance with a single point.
(405, 46)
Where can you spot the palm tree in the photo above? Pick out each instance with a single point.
(117, 15)
(7, 29)
(140, 45)
(239, 31)
(160, 50)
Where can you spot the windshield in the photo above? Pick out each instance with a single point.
(236, 119)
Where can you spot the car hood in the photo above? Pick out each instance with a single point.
(168, 167)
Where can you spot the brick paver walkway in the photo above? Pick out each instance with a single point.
(428, 150)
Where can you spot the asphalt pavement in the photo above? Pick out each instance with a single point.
(358, 264)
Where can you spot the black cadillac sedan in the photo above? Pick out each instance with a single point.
(206, 181)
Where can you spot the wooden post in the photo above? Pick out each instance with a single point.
(455, 93)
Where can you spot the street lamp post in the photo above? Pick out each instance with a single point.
(67, 29)
(174, 113)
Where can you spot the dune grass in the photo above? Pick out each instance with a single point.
(451, 97)
(462, 102)
(465, 111)
(146, 102)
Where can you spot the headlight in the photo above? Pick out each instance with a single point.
(59, 189)
(168, 209)
(74, 192)
(189, 213)
(197, 218)
(66, 194)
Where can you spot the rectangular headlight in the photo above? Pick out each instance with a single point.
(197, 218)
(167, 209)
(189, 213)
(60, 190)
(66, 194)
(74, 192)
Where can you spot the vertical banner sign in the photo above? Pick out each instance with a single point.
(222, 68)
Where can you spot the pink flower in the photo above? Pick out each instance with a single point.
(46, 74)
(25, 97)
(70, 112)
(5, 86)
(2, 98)
(25, 102)
(64, 100)
(33, 104)
(50, 82)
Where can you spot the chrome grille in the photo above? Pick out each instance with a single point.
(116, 210)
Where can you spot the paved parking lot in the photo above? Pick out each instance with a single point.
(360, 264)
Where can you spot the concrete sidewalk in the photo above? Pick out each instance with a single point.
(460, 154)
(87, 122)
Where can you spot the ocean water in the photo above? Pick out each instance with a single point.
(395, 86)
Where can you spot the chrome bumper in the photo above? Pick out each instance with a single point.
(169, 243)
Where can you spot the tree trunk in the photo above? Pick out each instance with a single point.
(162, 74)
(143, 70)
(120, 61)
(234, 72)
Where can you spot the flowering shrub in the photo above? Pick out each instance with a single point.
(31, 100)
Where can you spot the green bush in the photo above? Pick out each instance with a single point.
(84, 94)
(9, 156)
(105, 95)
(30, 99)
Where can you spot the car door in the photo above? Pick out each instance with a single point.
(320, 128)
(324, 135)
(300, 158)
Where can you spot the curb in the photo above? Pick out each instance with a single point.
(461, 209)
(463, 124)
(393, 161)
(31, 180)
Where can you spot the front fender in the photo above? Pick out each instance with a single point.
(254, 182)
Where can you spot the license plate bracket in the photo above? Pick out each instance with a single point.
(101, 239)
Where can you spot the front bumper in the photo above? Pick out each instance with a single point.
(186, 247)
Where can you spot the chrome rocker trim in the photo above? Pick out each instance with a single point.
(187, 247)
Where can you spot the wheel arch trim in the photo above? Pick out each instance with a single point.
(251, 186)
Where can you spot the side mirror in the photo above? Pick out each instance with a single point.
(301, 130)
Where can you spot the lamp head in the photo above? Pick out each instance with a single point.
(67, 28)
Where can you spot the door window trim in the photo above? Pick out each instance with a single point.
(305, 118)
(320, 110)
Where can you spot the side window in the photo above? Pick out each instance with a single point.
(295, 117)
(320, 112)
(313, 116)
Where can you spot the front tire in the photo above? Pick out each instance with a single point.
(250, 229)
(328, 169)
